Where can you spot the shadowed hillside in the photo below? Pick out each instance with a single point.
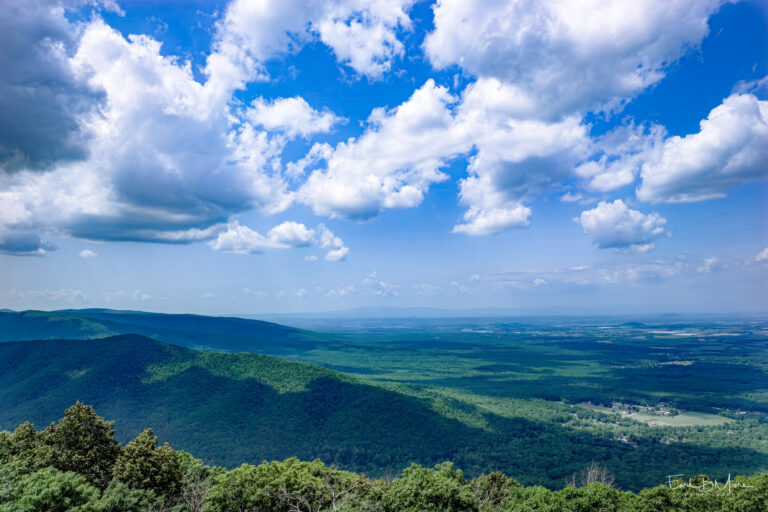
(226, 408)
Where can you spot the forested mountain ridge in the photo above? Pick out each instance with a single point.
(234, 408)
(226, 334)
(226, 408)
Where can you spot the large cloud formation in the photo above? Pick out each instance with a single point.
(402, 151)
(165, 162)
(137, 149)
(107, 137)
(516, 157)
(565, 56)
(538, 68)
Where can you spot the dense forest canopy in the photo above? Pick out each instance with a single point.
(77, 465)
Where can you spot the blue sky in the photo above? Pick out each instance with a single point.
(256, 156)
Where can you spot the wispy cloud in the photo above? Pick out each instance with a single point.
(45, 296)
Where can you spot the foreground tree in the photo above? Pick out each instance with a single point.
(492, 490)
(144, 465)
(51, 490)
(419, 489)
(594, 473)
(152, 478)
(288, 486)
(239, 490)
(196, 481)
(118, 497)
(23, 442)
(82, 442)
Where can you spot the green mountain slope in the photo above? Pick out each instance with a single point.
(193, 331)
(234, 408)
(226, 408)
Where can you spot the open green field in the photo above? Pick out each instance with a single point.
(682, 419)
(686, 419)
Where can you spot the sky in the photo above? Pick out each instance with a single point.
(275, 156)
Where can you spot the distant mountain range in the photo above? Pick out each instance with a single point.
(570, 313)
(415, 312)
(226, 334)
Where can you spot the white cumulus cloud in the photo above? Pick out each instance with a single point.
(484, 221)
(618, 156)
(515, 158)
(392, 164)
(403, 151)
(730, 149)
(241, 239)
(614, 225)
(337, 251)
(361, 33)
(294, 116)
(568, 55)
(165, 163)
(291, 234)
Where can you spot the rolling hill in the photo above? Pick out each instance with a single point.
(225, 408)
(193, 331)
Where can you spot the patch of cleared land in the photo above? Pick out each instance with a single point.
(682, 419)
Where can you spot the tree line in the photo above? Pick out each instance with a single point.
(77, 465)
